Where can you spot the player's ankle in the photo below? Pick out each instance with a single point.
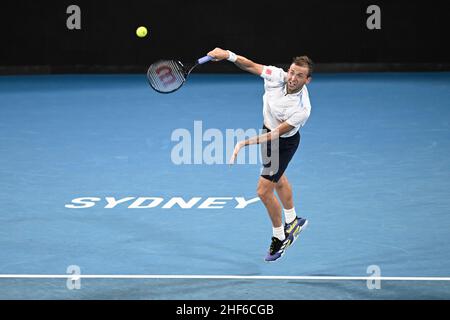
(279, 233)
(290, 215)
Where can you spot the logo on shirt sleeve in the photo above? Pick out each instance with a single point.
(268, 72)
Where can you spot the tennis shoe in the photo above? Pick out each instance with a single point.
(292, 230)
(277, 249)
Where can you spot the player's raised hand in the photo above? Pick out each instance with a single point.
(218, 54)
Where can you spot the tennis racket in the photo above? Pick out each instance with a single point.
(166, 76)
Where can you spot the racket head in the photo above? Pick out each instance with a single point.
(166, 76)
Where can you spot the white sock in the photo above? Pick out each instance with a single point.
(279, 233)
(290, 215)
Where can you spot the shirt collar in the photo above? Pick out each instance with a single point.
(292, 94)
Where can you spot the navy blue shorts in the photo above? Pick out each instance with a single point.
(277, 155)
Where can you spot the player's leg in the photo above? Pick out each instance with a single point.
(294, 225)
(284, 191)
(266, 192)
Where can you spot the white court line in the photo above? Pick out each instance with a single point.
(212, 277)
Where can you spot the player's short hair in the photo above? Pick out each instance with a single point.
(304, 61)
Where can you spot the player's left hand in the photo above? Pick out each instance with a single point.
(237, 148)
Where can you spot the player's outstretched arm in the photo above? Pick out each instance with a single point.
(269, 136)
(240, 61)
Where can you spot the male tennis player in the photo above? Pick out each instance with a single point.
(286, 109)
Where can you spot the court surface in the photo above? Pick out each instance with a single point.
(372, 175)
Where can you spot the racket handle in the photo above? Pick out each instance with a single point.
(204, 59)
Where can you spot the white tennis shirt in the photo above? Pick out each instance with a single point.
(278, 106)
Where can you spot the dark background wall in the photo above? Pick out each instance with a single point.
(34, 35)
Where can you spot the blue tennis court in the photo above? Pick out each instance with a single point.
(372, 175)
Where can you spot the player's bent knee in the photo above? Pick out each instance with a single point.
(260, 192)
(264, 196)
(264, 193)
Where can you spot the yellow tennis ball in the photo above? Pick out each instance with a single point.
(141, 32)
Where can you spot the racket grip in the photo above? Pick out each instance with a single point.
(204, 59)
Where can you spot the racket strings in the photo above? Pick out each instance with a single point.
(166, 76)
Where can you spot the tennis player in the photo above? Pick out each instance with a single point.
(286, 108)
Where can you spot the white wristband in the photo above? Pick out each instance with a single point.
(231, 56)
